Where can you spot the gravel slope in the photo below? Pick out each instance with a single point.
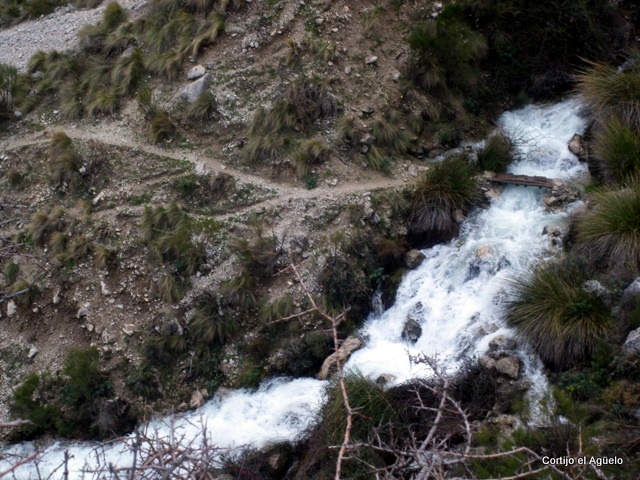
(56, 31)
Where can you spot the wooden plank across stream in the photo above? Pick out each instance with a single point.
(525, 180)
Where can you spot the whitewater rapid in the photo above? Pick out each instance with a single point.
(454, 295)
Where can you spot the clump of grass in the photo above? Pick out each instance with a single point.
(609, 93)
(446, 187)
(161, 126)
(551, 309)
(347, 130)
(169, 289)
(312, 152)
(497, 154)
(377, 160)
(390, 135)
(616, 148)
(167, 231)
(203, 109)
(240, 291)
(44, 224)
(609, 233)
(104, 256)
(279, 308)
(10, 272)
(259, 256)
(371, 401)
(127, 72)
(64, 163)
(8, 79)
(211, 324)
(113, 15)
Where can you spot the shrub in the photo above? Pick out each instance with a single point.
(127, 72)
(209, 324)
(347, 131)
(64, 163)
(447, 53)
(104, 256)
(609, 233)
(260, 256)
(240, 291)
(616, 148)
(390, 135)
(377, 160)
(550, 308)
(446, 187)
(497, 154)
(28, 402)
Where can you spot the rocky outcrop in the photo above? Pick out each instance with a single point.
(329, 367)
(576, 146)
(501, 358)
(560, 195)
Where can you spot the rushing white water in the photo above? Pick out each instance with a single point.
(454, 295)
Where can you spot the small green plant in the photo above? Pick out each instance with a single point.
(552, 310)
(310, 182)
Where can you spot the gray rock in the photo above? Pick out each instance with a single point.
(487, 362)
(632, 343)
(576, 147)
(196, 72)
(197, 399)
(559, 195)
(509, 367)
(347, 70)
(413, 258)
(372, 60)
(411, 331)
(329, 367)
(502, 343)
(83, 311)
(385, 379)
(631, 293)
(33, 351)
(192, 91)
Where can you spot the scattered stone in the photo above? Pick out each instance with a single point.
(129, 329)
(413, 170)
(33, 351)
(329, 368)
(458, 216)
(502, 343)
(632, 343)
(90, 327)
(413, 259)
(412, 331)
(84, 310)
(385, 379)
(97, 198)
(104, 289)
(484, 252)
(559, 195)
(197, 399)
(56, 298)
(367, 138)
(372, 60)
(395, 76)
(11, 308)
(196, 72)
(192, 91)
(319, 21)
(347, 69)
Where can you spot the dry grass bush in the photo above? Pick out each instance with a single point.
(389, 135)
(312, 152)
(348, 131)
(44, 224)
(64, 163)
(616, 148)
(497, 154)
(205, 108)
(211, 323)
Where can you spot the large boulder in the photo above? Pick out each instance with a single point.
(562, 193)
(330, 367)
(502, 343)
(631, 293)
(576, 146)
(192, 91)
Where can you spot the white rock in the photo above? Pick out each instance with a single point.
(84, 310)
(103, 287)
(33, 351)
(11, 308)
(371, 60)
(97, 198)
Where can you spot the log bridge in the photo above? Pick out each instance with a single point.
(524, 180)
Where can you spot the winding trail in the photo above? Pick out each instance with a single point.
(283, 193)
